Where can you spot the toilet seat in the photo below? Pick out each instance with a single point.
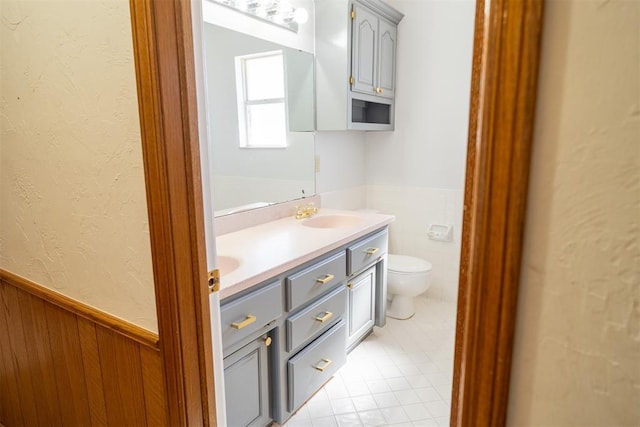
(405, 264)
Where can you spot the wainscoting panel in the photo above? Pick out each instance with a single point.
(66, 364)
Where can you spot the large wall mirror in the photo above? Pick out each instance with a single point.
(261, 117)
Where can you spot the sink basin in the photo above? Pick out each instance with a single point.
(227, 264)
(332, 221)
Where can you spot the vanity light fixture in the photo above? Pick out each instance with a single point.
(278, 12)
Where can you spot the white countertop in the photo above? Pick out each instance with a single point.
(270, 249)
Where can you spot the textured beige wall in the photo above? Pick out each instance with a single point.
(73, 207)
(577, 353)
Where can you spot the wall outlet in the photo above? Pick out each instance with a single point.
(441, 232)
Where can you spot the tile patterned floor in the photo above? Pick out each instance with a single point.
(399, 376)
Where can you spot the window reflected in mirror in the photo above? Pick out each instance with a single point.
(261, 100)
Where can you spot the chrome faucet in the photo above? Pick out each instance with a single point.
(305, 211)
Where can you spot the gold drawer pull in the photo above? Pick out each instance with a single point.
(325, 279)
(246, 322)
(327, 316)
(371, 251)
(321, 368)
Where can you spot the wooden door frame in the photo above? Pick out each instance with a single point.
(504, 78)
(163, 53)
(503, 96)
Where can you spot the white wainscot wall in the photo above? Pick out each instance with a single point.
(415, 208)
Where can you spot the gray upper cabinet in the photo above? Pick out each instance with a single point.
(364, 49)
(373, 53)
(356, 43)
(387, 59)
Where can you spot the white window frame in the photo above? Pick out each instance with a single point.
(244, 103)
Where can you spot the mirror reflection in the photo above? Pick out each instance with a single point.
(261, 114)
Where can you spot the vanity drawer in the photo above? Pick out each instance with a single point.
(315, 280)
(248, 314)
(316, 318)
(314, 365)
(366, 251)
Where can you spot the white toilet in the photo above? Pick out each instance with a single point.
(407, 277)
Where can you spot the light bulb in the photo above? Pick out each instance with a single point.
(300, 15)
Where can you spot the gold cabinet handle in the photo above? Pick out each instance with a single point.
(246, 322)
(267, 341)
(325, 279)
(350, 285)
(325, 365)
(371, 251)
(327, 316)
(380, 90)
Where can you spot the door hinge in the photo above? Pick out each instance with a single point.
(351, 80)
(353, 13)
(214, 281)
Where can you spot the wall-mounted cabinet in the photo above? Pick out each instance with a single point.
(356, 43)
(373, 51)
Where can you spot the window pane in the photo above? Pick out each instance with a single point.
(266, 125)
(265, 77)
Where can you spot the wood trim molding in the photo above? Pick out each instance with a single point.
(163, 53)
(503, 94)
(131, 331)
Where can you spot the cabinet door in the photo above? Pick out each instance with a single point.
(386, 59)
(364, 50)
(246, 385)
(361, 305)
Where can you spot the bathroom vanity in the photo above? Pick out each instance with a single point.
(302, 294)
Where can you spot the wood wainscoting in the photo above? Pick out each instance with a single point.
(64, 363)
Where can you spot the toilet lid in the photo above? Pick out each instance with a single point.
(407, 264)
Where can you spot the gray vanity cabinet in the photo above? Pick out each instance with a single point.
(315, 329)
(367, 284)
(314, 280)
(315, 365)
(319, 316)
(246, 386)
(373, 53)
(311, 315)
(361, 306)
(248, 322)
(250, 314)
